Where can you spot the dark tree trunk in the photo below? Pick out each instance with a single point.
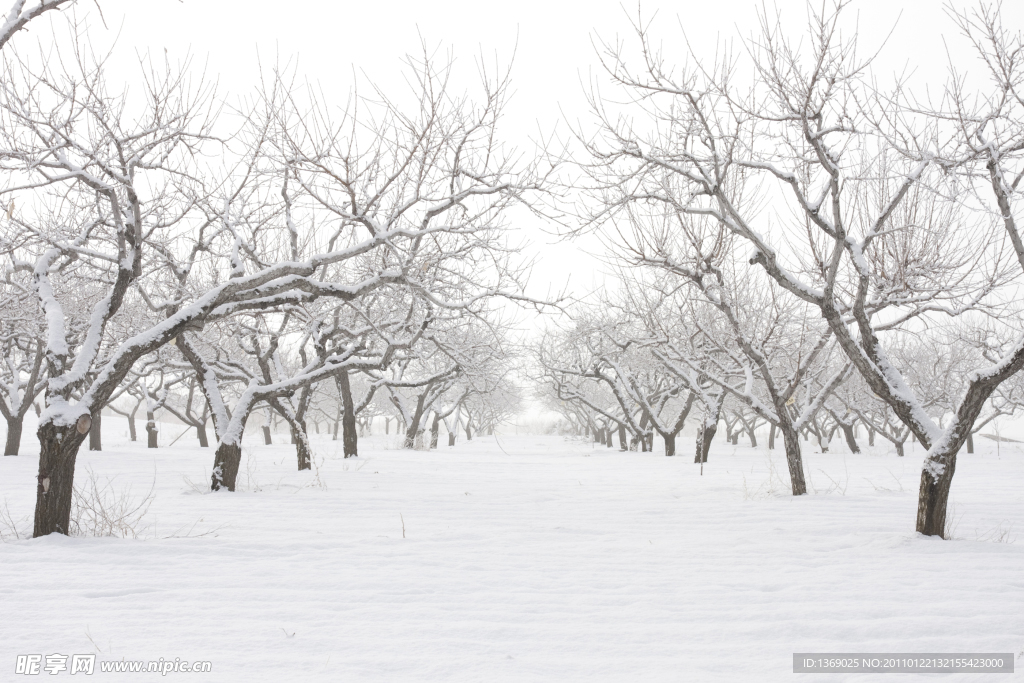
(970, 443)
(266, 437)
(704, 439)
(622, 437)
(302, 449)
(95, 433)
(469, 434)
(771, 438)
(736, 438)
(753, 437)
(151, 430)
(791, 441)
(348, 417)
(934, 494)
(225, 466)
(899, 448)
(451, 438)
(56, 479)
(15, 425)
(133, 435)
(204, 441)
(414, 428)
(871, 437)
(670, 444)
(851, 439)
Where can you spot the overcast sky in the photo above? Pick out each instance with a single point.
(549, 44)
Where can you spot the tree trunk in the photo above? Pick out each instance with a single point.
(95, 434)
(871, 437)
(970, 443)
(131, 428)
(899, 448)
(451, 438)
(791, 441)
(56, 479)
(753, 437)
(622, 437)
(225, 466)
(469, 434)
(736, 438)
(302, 447)
(771, 438)
(934, 494)
(670, 444)
(266, 437)
(204, 441)
(704, 439)
(348, 417)
(15, 424)
(823, 441)
(435, 428)
(851, 439)
(151, 430)
(387, 425)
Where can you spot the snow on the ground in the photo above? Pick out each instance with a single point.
(530, 558)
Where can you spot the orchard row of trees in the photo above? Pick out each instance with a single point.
(284, 255)
(804, 241)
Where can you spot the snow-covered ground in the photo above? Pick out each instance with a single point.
(529, 558)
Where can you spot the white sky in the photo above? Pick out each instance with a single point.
(550, 42)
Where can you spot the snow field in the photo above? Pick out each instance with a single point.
(531, 558)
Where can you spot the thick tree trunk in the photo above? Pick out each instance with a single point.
(266, 437)
(753, 437)
(225, 466)
(204, 441)
(934, 492)
(851, 439)
(622, 438)
(704, 439)
(736, 438)
(348, 417)
(15, 424)
(791, 441)
(899, 448)
(469, 434)
(970, 443)
(133, 435)
(451, 438)
(56, 479)
(771, 438)
(95, 433)
(151, 430)
(670, 444)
